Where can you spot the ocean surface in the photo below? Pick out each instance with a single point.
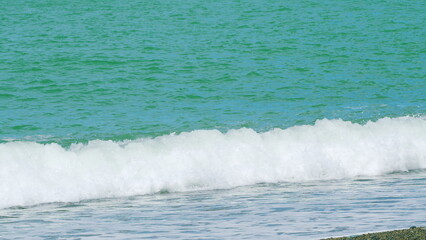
(211, 119)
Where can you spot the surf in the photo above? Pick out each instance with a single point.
(33, 173)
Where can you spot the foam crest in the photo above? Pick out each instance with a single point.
(32, 173)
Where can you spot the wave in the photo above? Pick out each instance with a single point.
(32, 173)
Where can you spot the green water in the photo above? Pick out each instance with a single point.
(81, 70)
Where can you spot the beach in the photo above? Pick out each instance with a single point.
(413, 233)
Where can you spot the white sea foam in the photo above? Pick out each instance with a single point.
(32, 173)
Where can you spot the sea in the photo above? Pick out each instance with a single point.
(226, 119)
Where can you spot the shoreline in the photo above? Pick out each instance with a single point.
(412, 233)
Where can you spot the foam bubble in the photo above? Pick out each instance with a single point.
(32, 173)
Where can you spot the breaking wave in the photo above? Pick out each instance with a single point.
(32, 173)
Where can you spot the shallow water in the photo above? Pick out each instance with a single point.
(309, 210)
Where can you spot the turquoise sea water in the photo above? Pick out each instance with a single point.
(112, 99)
(117, 70)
